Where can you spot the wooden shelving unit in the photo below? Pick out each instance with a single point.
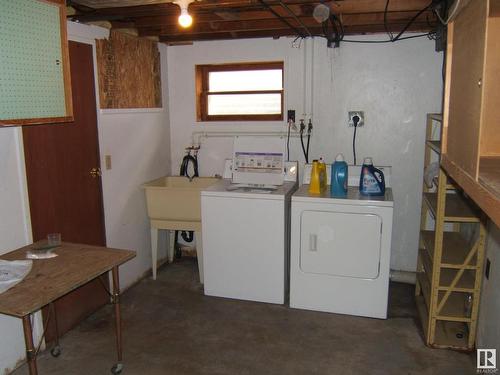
(449, 268)
(471, 140)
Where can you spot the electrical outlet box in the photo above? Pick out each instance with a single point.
(290, 115)
(360, 114)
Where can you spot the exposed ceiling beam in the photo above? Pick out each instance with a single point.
(281, 19)
(298, 7)
(96, 4)
(395, 22)
(164, 21)
(317, 31)
(232, 19)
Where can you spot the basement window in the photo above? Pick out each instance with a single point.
(240, 92)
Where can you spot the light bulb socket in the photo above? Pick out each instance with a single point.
(185, 19)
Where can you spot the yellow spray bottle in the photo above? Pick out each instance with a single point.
(315, 183)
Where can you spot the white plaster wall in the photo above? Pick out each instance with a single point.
(395, 84)
(182, 104)
(14, 233)
(139, 146)
(489, 309)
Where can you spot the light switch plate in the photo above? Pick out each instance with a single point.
(107, 160)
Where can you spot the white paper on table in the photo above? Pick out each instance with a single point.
(12, 272)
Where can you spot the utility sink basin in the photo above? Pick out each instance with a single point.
(175, 198)
(174, 203)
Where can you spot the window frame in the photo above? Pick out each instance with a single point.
(202, 93)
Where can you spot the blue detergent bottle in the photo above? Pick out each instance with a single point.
(338, 184)
(371, 181)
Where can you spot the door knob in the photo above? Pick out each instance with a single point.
(95, 172)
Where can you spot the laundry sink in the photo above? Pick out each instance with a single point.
(174, 203)
(176, 198)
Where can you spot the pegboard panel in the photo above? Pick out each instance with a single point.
(32, 84)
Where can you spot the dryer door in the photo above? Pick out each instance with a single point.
(340, 244)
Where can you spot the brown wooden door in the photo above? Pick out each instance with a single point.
(64, 197)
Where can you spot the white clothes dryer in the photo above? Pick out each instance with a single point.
(340, 251)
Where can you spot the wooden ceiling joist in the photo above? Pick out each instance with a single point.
(233, 19)
(318, 31)
(348, 19)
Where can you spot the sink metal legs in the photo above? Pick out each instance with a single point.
(154, 250)
(199, 253)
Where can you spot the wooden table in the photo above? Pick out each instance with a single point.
(51, 279)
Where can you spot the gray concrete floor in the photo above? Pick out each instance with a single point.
(170, 327)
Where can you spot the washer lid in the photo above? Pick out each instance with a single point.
(224, 188)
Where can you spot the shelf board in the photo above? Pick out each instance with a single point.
(489, 174)
(455, 249)
(445, 331)
(482, 191)
(466, 282)
(449, 184)
(436, 116)
(434, 145)
(446, 335)
(454, 307)
(426, 263)
(423, 313)
(426, 288)
(457, 208)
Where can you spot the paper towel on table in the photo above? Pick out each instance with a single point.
(12, 272)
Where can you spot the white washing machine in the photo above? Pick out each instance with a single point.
(246, 227)
(340, 250)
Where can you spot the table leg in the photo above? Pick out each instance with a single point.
(56, 350)
(30, 347)
(117, 368)
(154, 250)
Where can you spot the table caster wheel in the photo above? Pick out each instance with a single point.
(56, 351)
(117, 369)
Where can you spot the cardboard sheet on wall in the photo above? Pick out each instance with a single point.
(129, 72)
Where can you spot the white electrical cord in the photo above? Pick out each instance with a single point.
(451, 15)
(312, 81)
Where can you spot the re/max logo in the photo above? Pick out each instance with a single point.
(487, 360)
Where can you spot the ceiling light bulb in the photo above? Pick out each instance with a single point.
(185, 19)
